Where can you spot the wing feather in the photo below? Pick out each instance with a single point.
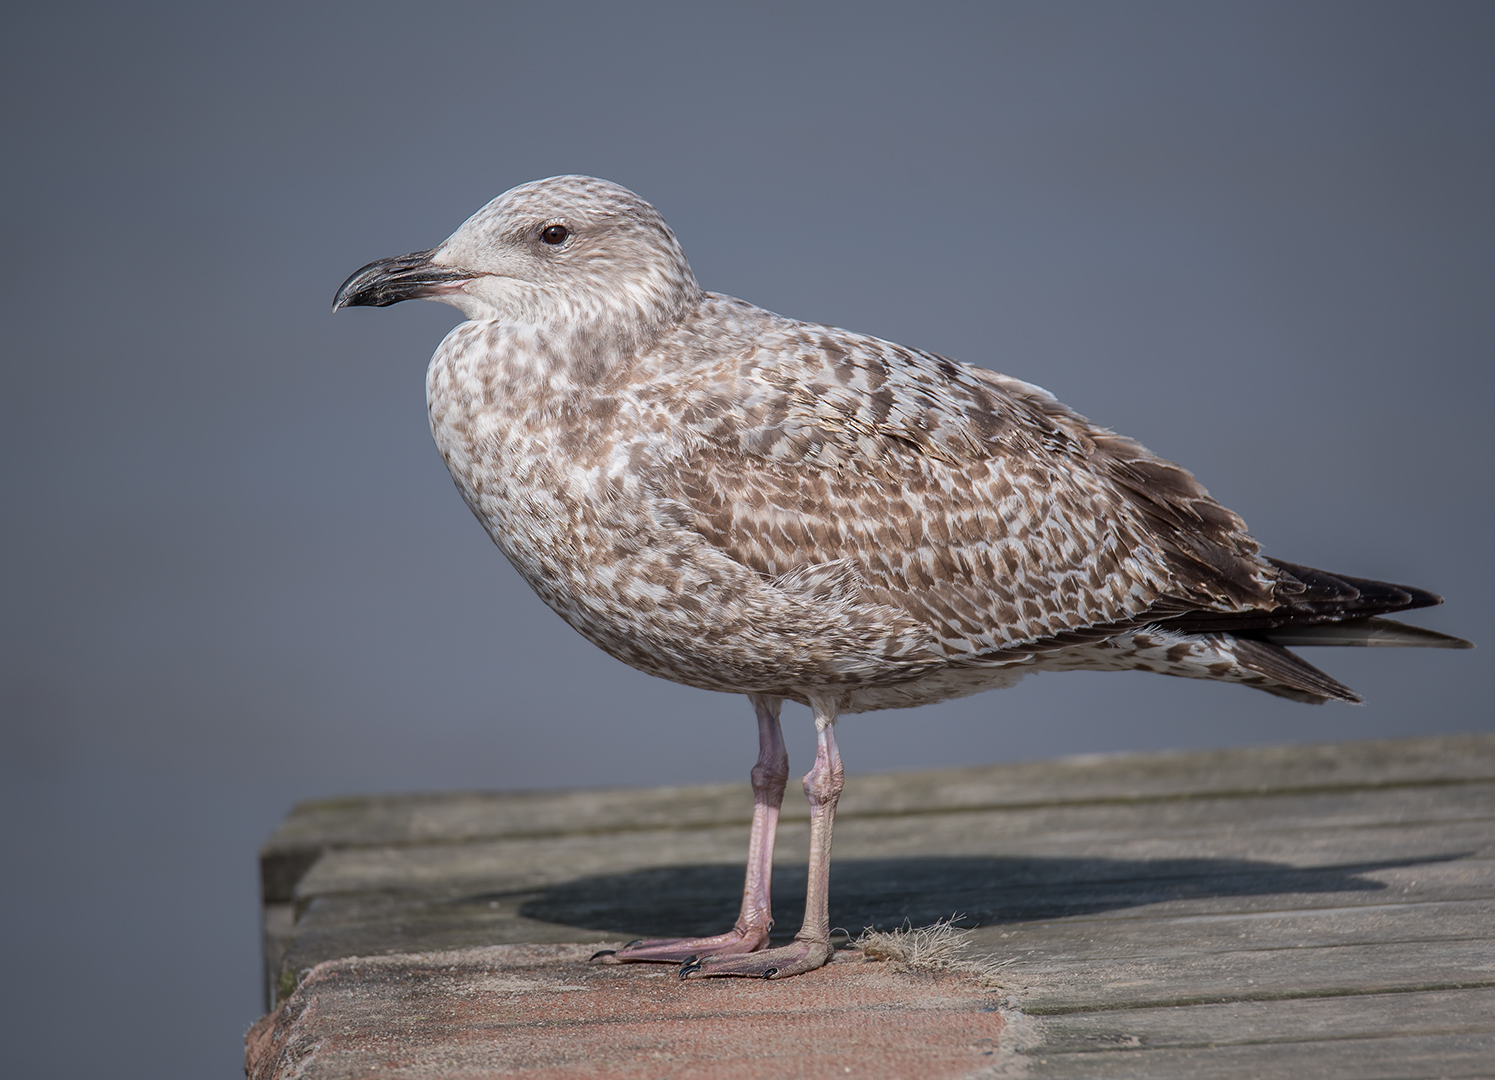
(976, 503)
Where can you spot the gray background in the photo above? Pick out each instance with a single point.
(1256, 237)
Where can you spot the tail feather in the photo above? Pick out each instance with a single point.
(1308, 607)
(1372, 632)
(1291, 676)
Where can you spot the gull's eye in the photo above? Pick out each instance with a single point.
(555, 234)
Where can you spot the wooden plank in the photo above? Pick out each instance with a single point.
(1413, 1057)
(459, 817)
(527, 863)
(1132, 840)
(696, 899)
(1051, 986)
(702, 899)
(375, 924)
(1082, 939)
(1243, 1023)
(1176, 775)
(1224, 821)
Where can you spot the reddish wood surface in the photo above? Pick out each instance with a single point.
(542, 1012)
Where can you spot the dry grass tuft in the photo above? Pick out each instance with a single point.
(938, 947)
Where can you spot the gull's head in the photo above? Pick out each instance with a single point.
(567, 252)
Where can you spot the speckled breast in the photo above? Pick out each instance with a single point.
(552, 470)
(550, 483)
(525, 461)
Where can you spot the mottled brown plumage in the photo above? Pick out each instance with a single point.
(731, 499)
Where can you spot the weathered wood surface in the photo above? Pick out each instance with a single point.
(1281, 911)
(542, 1012)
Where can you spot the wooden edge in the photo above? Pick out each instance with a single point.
(315, 827)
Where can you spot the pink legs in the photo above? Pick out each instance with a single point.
(811, 947)
(740, 951)
(756, 917)
(770, 775)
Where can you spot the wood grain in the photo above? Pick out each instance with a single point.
(1276, 911)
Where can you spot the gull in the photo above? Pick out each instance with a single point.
(734, 500)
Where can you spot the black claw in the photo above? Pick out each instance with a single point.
(602, 952)
(635, 941)
(693, 964)
(770, 973)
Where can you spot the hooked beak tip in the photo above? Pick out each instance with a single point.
(389, 281)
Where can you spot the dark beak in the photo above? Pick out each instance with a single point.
(389, 281)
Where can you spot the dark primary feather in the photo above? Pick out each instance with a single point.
(1304, 596)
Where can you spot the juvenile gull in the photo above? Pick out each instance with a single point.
(738, 501)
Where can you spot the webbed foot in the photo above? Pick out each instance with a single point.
(793, 959)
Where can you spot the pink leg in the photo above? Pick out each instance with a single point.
(812, 945)
(756, 917)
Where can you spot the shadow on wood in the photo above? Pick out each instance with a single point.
(885, 893)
